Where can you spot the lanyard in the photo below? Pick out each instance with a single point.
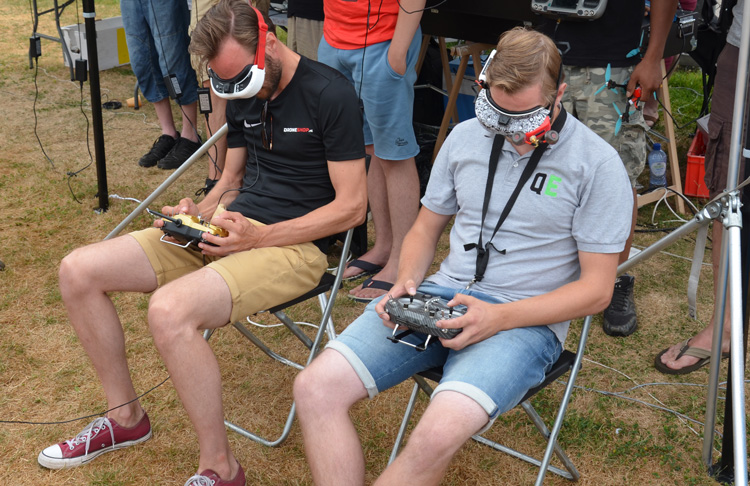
(483, 251)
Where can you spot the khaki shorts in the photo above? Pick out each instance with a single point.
(597, 112)
(257, 279)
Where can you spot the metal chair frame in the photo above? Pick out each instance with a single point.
(328, 283)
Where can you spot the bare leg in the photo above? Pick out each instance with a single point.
(190, 121)
(216, 120)
(204, 303)
(449, 421)
(704, 338)
(377, 195)
(164, 114)
(402, 182)
(86, 276)
(324, 392)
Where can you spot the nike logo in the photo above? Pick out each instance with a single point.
(251, 125)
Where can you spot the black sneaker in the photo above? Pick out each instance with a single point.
(181, 151)
(619, 316)
(158, 151)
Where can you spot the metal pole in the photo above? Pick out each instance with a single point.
(89, 16)
(734, 445)
(164, 185)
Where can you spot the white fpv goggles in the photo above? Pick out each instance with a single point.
(250, 80)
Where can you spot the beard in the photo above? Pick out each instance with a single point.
(272, 79)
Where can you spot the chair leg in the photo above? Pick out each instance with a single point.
(270, 353)
(404, 423)
(566, 399)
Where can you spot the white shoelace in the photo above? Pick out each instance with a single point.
(92, 430)
(199, 480)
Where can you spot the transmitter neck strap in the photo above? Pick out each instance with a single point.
(483, 250)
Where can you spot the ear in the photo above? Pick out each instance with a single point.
(560, 92)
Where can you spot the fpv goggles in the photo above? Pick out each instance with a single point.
(250, 80)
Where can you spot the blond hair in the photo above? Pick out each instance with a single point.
(228, 18)
(525, 57)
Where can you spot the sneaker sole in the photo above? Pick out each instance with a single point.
(64, 463)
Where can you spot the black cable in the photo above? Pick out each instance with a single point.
(421, 9)
(36, 119)
(72, 174)
(24, 422)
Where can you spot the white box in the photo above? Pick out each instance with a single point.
(111, 47)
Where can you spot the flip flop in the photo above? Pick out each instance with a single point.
(686, 350)
(371, 284)
(367, 269)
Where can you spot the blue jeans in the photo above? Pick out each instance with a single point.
(157, 37)
(496, 373)
(388, 97)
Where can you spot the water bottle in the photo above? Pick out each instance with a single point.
(657, 166)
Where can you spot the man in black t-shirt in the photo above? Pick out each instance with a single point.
(588, 47)
(294, 174)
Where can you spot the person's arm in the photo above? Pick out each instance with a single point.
(347, 210)
(406, 27)
(417, 253)
(590, 294)
(648, 72)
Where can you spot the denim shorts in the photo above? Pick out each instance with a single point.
(157, 37)
(388, 97)
(496, 373)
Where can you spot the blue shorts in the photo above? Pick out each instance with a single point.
(388, 97)
(157, 37)
(487, 371)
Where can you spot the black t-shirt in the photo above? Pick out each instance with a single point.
(315, 119)
(305, 9)
(606, 40)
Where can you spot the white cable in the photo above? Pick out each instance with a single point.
(267, 326)
(661, 406)
(117, 196)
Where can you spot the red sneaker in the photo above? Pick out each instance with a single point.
(100, 436)
(210, 478)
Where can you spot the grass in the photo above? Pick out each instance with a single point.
(46, 377)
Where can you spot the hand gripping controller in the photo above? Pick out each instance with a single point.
(187, 229)
(419, 313)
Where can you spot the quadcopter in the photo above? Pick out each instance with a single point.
(633, 100)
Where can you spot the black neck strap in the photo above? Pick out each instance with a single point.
(483, 251)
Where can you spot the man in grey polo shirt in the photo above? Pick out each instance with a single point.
(522, 279)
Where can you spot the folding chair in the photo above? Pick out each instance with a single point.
(328, 283)
(568, 361)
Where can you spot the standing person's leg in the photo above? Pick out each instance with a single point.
(217, 118)
(679, 358)
(596, 110)
(144, 60)
(169, 26)
(388, 99)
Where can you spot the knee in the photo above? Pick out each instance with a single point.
(308, 389)
(75, 276)
(317, 390)
(166, 320)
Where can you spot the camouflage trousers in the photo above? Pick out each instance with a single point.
(600, 113)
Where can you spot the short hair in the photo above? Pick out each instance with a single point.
(228, 18)
(525, 57)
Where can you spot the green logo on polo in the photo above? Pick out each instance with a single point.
(545, 184)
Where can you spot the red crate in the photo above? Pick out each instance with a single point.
(695, 186)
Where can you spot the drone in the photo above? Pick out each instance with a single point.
(632, 101)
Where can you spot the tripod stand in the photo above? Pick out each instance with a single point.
(725, 208)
